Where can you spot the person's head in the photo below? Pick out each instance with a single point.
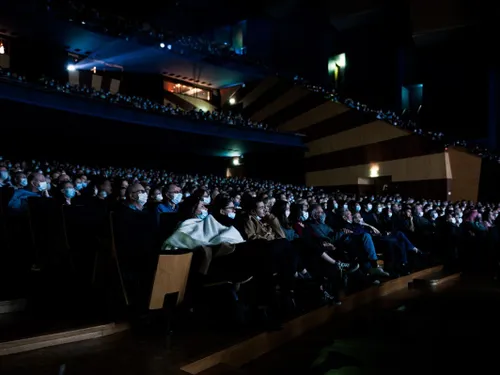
(450, 218)
(63, 177)
(347, 216)
(36, 182)
(357, 218)
(136, 195)
(257, 208)
(317, 213)
(237, 200)
(380, 208)
(433, 214)
(104, 188)
(155, 195)
(20, 180)
(281, 210)
(204, 195)
(224, 206)
(67, 190)
(4, 173)
(122, 185)
(173, 193)
(192, 208)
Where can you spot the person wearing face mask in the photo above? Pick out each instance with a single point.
(395, 246)
(281, 210)
(263, 229)
(449, 243)
(37, 187)
(369, 215)
(68, 192)
(224, 210)
(172, 198)
(20, 180)
(4, 177)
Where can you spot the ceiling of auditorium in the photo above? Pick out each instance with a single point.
(132, 55)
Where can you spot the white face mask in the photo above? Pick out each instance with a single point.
(389, 214)
(231, 215)
(23, 182)
(345, 207)
(42, 186)
(159, 197)
(177, 198)
(287, 213)
(379, 209)
(420, 213)
(304, 216)
(207, 200)
(203, 214)
(434, 216)
(453, 220)
(369, 206)
(460, 220)
(142, 198)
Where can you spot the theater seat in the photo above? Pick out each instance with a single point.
(171, 276)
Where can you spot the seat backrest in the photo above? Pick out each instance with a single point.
(168, 224)
(171, 277)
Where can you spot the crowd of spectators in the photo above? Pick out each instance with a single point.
(278, 235)
(228, 118)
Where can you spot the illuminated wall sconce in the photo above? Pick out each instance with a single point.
(374, 171)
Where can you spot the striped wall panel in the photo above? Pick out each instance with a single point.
(289, 98)
(344, 145)
(277, 90)
(301, 106)
(467, 170)
(265, 85)
(316, 115)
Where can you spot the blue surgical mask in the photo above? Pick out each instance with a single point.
(79, 186)
(369, 206)
(358, 208)
(42, 186)
(84, 184)
(335, 205)
(177, 198)
(103, 194)
(23, 182)
(69, 192)
(4, 175)
(322, 218)
(202, 215)
(207, 200)
(231, 215)
(304, 216)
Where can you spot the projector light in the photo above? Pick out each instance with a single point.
(71, 68)
(232, 101)
(162, 45)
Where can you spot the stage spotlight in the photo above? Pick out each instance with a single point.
(2, 49)
(236, 161)
(232, 101)
(162, 45)
(71, 68)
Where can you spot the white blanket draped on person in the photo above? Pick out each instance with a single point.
(194, 233)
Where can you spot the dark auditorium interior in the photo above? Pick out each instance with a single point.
(353, 145)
